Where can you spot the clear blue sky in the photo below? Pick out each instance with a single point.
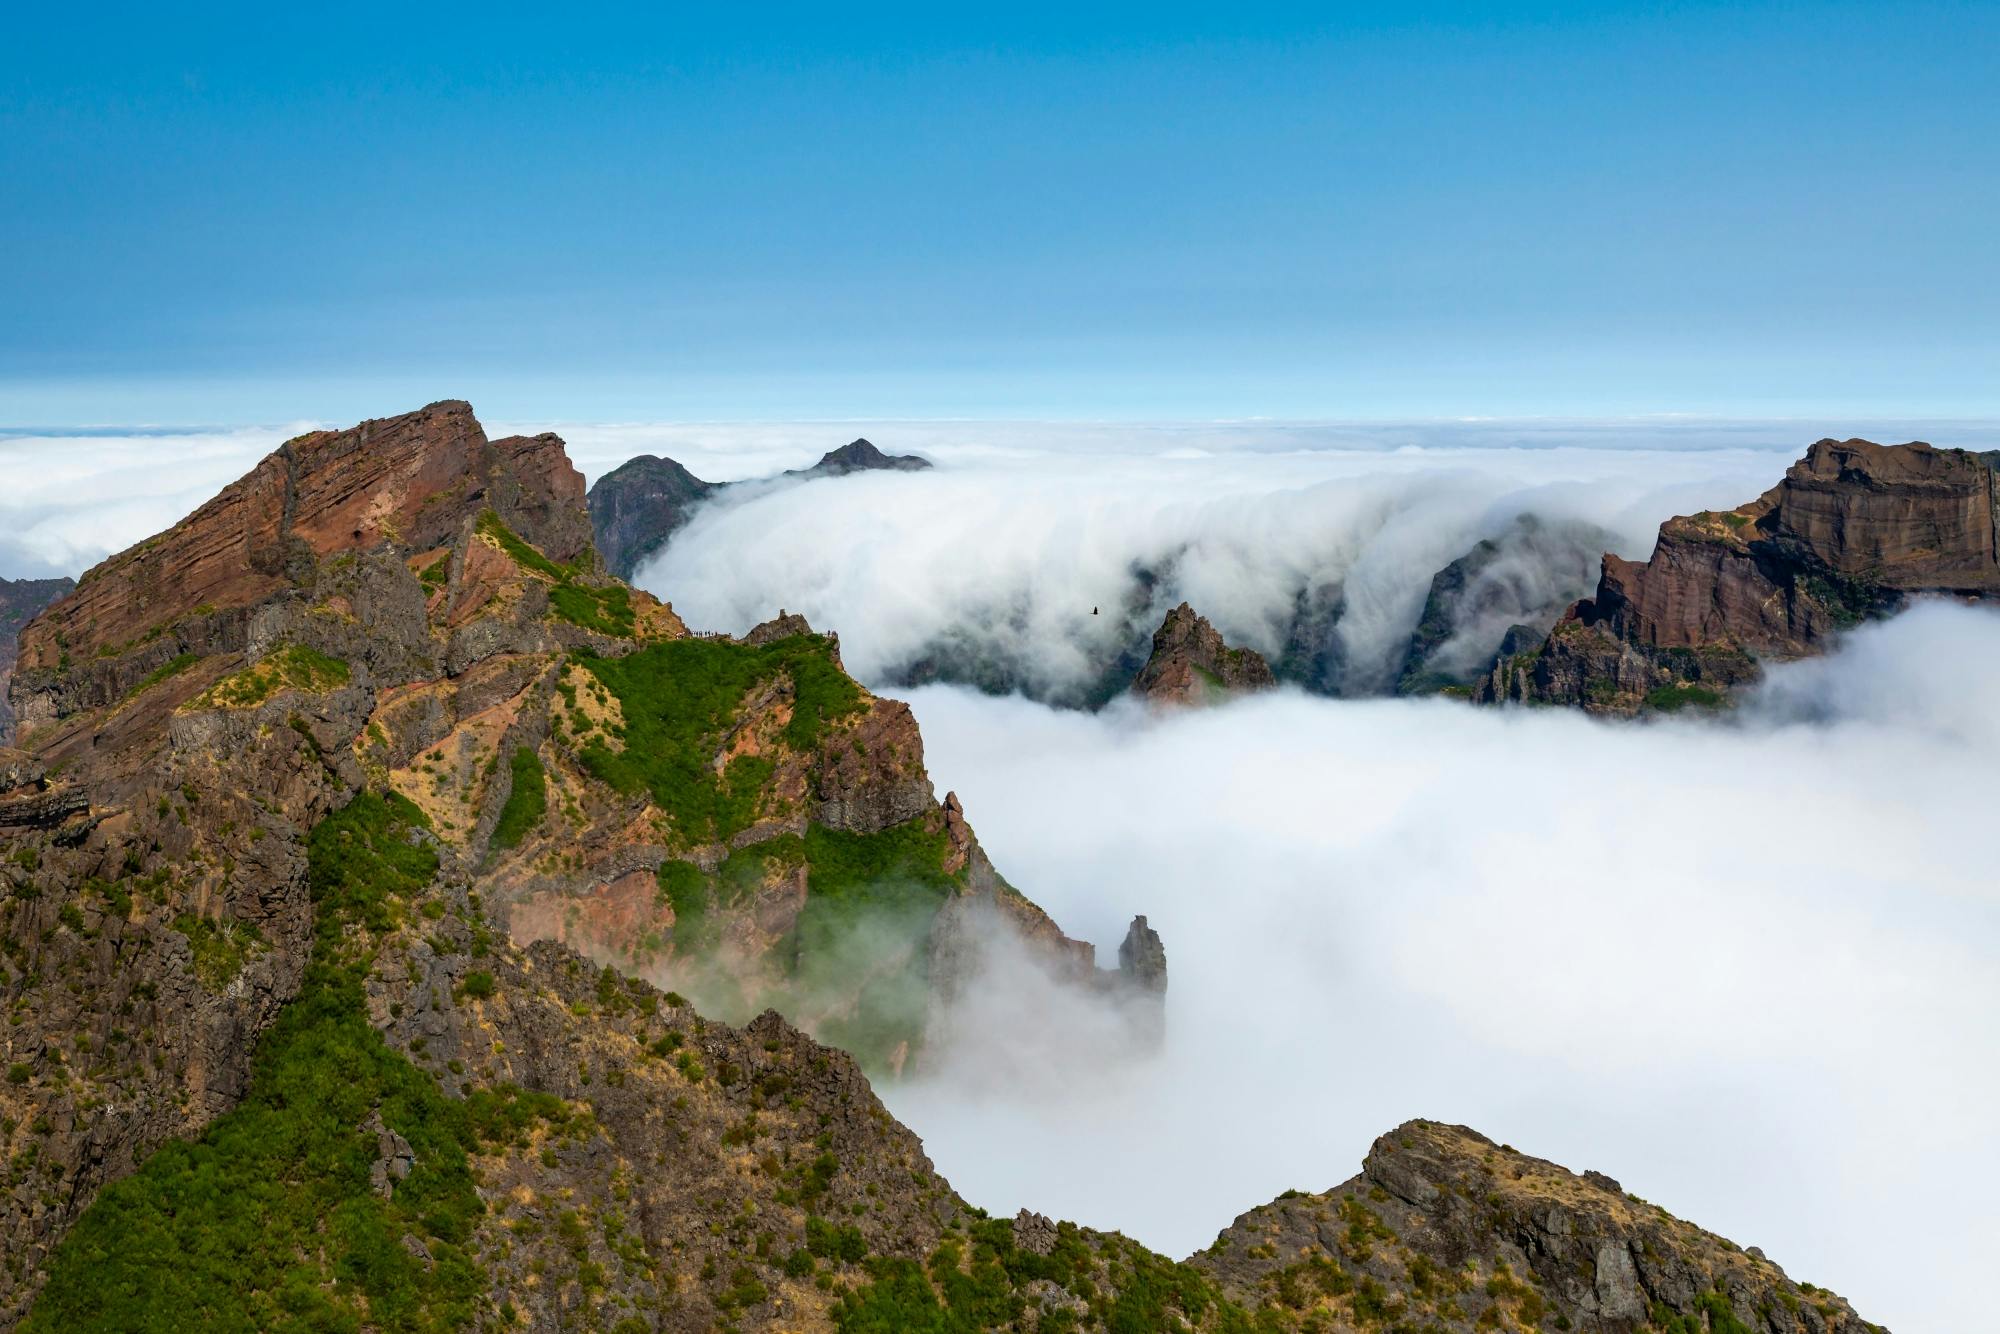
(745, 211)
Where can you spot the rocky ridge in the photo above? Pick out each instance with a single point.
(1851, 533)
(636, 507)
(1192, 664)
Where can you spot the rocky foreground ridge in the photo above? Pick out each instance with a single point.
(641, 503)
(348, 819)
(1852, 532)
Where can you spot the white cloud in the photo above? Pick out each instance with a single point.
(1742, 965)
(1004, 556)
(72, 500)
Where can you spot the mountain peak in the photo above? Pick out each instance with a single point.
(862, 456)
(1192, 663)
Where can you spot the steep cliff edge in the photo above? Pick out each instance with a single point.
(1513, 585)
(1192, 664)
(20, 600)
(1852, 532)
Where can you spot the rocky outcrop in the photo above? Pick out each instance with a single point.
(1852, 532)
(1446, 1230)
(636, 507)
(20, 600)
(1191, 663)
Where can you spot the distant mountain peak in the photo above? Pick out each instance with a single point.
(862, 456)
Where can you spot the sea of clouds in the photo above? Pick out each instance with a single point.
(1745, 965)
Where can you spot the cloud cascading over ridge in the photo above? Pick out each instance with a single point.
(1040, 568)
(1742, 964)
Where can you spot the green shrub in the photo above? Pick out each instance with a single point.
(527, 802)
(605, 608)
(478, 985)
(220, 948)
(1669, 699)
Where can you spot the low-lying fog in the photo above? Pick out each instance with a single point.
(1744, 966)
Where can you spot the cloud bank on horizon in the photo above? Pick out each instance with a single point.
(1743, 965)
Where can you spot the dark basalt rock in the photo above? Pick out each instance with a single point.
(1526, 575)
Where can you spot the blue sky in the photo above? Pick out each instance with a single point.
(1143, 212)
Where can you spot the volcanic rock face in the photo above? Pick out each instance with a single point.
(1191, 664)
(637, 506)
(640, 504)
(409, 609)
(20, 599)
(1851, 532)
(1446, 1230)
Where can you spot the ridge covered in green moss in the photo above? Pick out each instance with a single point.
(269, 1221)
(678, 699)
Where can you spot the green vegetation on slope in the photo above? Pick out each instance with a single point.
(527, 802)
(607, 609)
(219, 948)
(965, 1292)
(269, 1221)
(289, 667)
(870, 902)
(678, 699)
